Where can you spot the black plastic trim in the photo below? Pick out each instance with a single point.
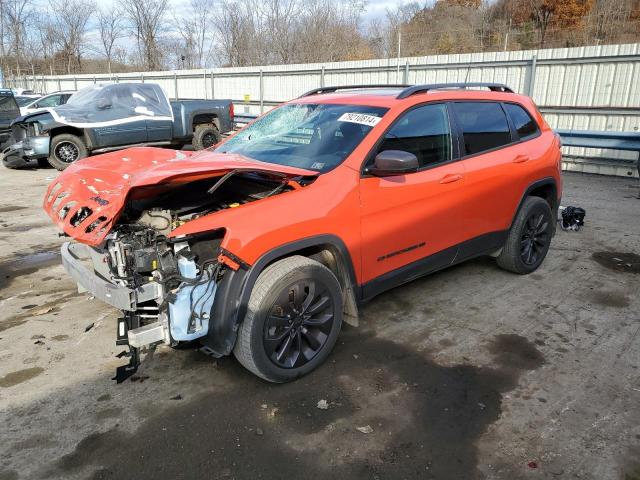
(481, 245)
(234, 291)
(321, 90)
(415, 89)
(537, 184)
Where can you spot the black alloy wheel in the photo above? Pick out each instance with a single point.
(293, 319)
(298, 324)
(209, 139)
(535, 238)
(529, 237)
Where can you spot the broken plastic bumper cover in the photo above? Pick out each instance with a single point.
(117, 296)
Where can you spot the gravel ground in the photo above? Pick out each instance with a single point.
(469, 373)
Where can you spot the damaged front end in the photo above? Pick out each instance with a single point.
(164, 289)
(126, 253)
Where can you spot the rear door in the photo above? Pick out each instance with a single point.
(406, 218)
(493, 162)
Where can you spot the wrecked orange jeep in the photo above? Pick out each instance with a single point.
(263, 245)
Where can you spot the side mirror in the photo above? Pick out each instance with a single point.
(103, 104)
(394, 162)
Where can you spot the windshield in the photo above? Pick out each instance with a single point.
(311, 136)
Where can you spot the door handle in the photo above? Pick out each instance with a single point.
(521, 159)
(452, 177)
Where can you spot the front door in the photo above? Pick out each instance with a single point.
(410, 223)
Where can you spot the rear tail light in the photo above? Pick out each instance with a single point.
(231, 112)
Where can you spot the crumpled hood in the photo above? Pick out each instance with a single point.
(87, 198)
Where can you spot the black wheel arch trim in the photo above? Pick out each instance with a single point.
(234, 290)
(547, 181)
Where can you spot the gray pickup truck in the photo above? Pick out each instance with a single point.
(103, 118)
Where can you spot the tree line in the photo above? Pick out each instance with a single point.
(72, 36)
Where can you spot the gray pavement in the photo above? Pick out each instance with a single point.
(469, 373)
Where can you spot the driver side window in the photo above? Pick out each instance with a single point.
(423, 131)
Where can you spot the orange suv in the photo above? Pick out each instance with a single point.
(265, 244)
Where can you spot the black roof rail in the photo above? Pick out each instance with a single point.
(494, 87)
(321, 90)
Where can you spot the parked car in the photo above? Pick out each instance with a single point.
(265, 245)
(23, 91)
(24, 100)
(103, 118)
(8, 112)
(48, 101)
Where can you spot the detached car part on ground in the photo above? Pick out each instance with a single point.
(104, 118)
(265, 245)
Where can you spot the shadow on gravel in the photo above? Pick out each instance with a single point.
(425, 419)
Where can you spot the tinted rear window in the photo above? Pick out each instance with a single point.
(483, 124)
(522, 121)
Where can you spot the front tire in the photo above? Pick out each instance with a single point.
(529, 237)
(66, 149)
(293, 320)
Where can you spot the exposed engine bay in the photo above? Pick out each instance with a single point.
(173, 280)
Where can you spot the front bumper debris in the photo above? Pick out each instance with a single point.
(26, 153)
(117, 296)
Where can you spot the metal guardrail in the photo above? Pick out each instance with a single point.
(629, 141)
(241, 119)
(626, 141)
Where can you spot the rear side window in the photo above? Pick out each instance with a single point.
(484, 126)
(522, 121)
(423, 131)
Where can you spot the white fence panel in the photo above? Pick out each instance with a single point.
(591, 88)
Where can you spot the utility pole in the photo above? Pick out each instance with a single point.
(398, 57)
(506, 37)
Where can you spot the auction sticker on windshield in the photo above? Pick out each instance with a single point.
(361, 118)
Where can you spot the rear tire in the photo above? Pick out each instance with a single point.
(529, 237)
(293, 320)
(66, 149)
(205, 136)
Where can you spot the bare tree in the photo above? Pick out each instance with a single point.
(281, 21)
(17, 14)
(195, 31)
(235, 32)
(147, 23)
(70, 20)
(542, 12)
(110, 29)
(47, 39)
(607, 16)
